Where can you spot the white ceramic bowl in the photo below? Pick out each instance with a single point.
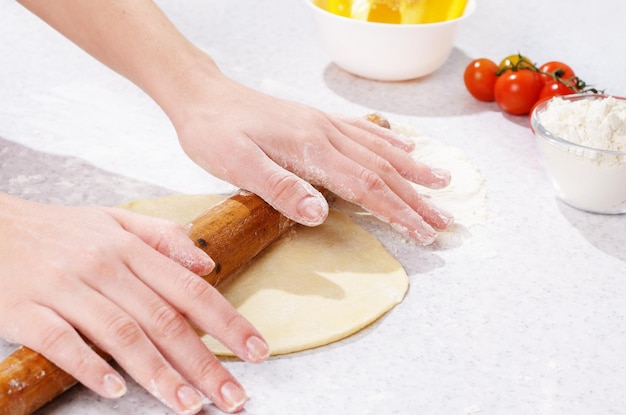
(587, 178)
(383, 51)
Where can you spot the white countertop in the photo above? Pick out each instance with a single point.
(526, 316)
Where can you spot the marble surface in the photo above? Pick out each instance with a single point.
(527, 314)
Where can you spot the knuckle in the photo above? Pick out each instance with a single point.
(283, 186)
(233, 322)
(84, 365)
(124, 331)
(94, 255)
(126, 240)
(69, 352)
(161, 374)
(378, 144)
(168, 233)
(168, 322)
(208, 367)
(383, 166)
(98, 255)
(55, 338)
(372, 182)
(194, 288)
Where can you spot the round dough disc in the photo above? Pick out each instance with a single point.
(312, 287)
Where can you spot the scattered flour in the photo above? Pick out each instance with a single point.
(466, 195)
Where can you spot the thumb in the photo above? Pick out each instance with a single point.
(292, 196)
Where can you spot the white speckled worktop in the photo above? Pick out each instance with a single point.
(526, 316)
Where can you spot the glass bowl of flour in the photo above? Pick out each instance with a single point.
(582, 141)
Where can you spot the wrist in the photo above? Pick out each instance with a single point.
(186, 86)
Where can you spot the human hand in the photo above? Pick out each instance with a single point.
(277, 149)
(271, 147)
(128, 283)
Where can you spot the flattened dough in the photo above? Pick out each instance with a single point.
(312, 287)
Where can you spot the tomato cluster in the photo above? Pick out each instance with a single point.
(517, 84)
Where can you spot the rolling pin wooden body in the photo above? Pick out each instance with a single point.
(232, 233)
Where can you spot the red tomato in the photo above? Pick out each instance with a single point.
(559, 69)
(553, 89)
(517, 91)
(530, 113)
(480, 78)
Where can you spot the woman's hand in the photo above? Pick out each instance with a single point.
(278, 149)
(128, 283)
(271, 147)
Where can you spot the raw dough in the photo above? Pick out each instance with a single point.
(312, 287)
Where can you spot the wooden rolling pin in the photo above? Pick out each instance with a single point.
(232, 233)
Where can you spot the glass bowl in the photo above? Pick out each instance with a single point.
(585, 177)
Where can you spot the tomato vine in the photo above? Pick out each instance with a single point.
(517, 84)
(574, 83)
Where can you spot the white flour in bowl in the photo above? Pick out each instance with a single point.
(596, 123)
(588, 179)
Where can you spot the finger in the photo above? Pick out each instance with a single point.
(409, 168)
(180, 345)
(386, 134)
(167, 237)
(363, 186)
(113, 330)
(391, 179)
(285, 191)
(201, 303)
(59, 342)
(186, 291)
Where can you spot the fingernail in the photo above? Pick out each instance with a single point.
(424, 235)
(208, 263)
(425, 239)
(258, 350)
(442, 177)
(190, 399)
(114, 385)
(312, 209)
(234, 397)
(446, 217)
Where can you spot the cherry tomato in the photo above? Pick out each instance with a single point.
(517, 91)
(553, 89)
(480, 78)
(560, 69)
(514, 60)
(550, 90)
